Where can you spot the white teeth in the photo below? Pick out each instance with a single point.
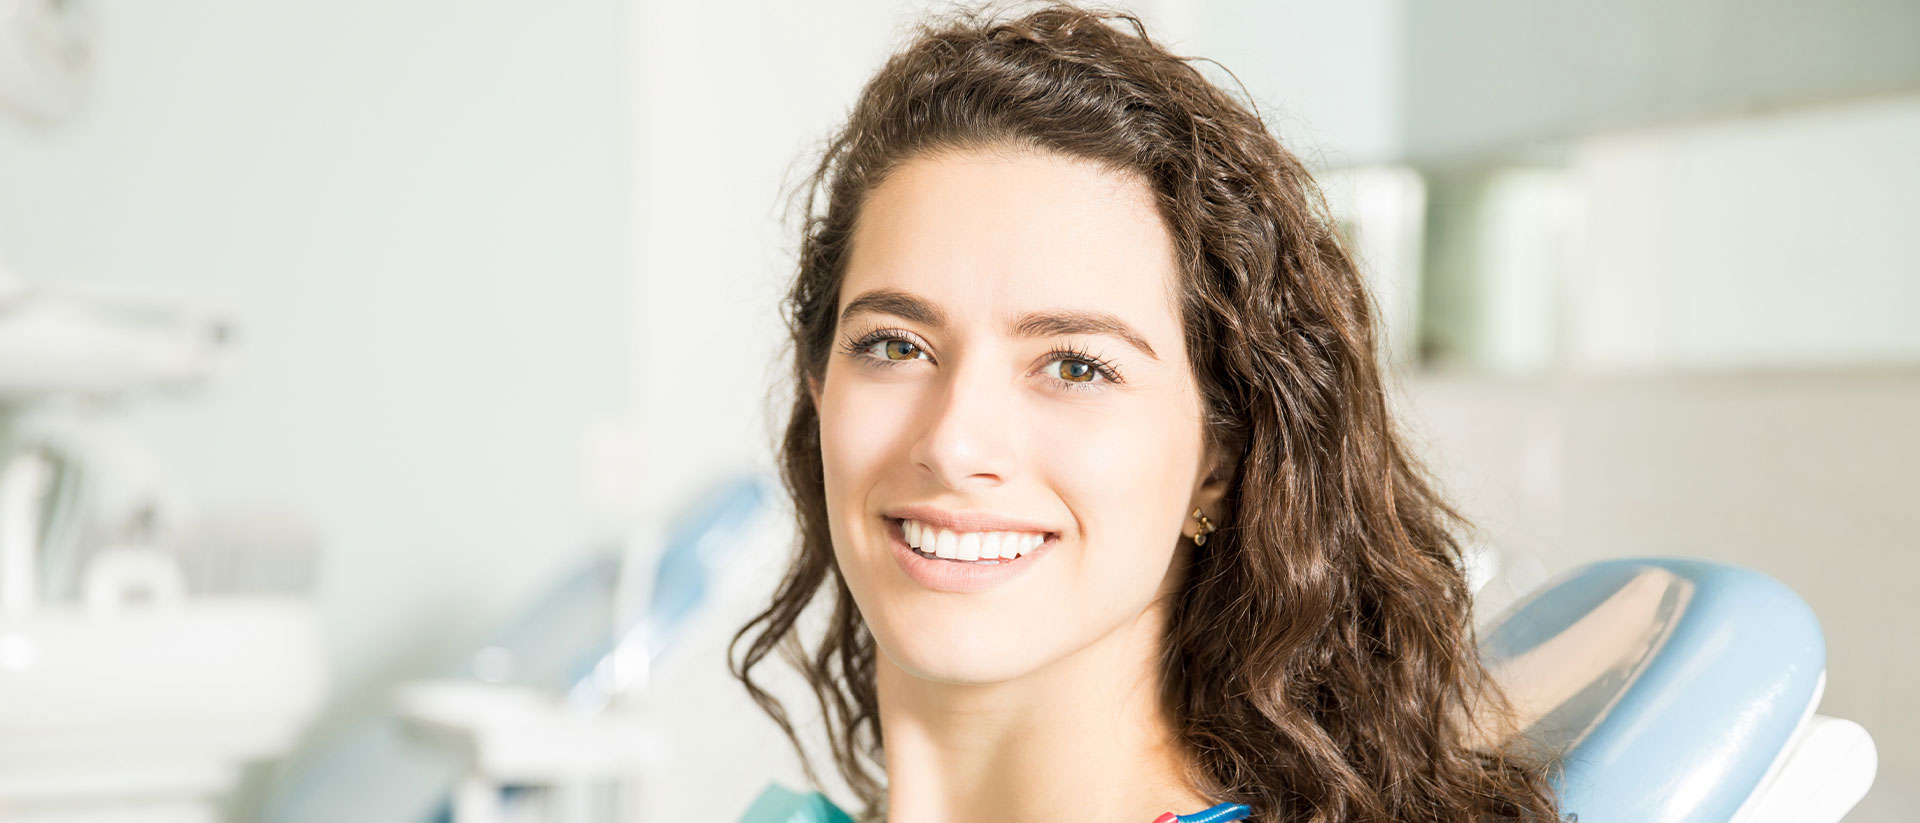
(969, 545)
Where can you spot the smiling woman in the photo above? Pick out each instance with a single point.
(1090, 453)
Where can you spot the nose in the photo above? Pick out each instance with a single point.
(970, 429)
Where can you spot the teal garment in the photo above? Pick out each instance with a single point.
(777, 805)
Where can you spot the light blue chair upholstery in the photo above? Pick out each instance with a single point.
(1678, 690)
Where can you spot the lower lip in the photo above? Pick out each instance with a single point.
(960, 577)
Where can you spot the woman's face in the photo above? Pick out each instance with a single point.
(1009, 364)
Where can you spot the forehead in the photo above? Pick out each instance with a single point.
(992, 234)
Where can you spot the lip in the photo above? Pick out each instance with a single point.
(960, 577)
(968, 521)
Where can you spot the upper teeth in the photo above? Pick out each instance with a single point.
(970, 545)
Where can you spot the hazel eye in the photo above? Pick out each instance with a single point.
(1079, 370)
(897, 350)
(1076, 371)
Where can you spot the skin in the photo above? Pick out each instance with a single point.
(1037, 700)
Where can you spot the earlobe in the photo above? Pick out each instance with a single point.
(1207, 500)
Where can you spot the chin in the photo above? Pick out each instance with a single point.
(964, 662)
(946, 654)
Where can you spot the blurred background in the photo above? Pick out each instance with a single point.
(388, 390)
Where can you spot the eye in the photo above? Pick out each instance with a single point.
(887, 348)
(1074, 371)
(1080, 370)
(897, 349)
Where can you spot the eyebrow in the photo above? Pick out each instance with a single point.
(1033, 324)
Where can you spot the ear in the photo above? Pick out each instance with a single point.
(813, 391)
(1216, 475)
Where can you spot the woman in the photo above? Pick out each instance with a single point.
(1065, 306)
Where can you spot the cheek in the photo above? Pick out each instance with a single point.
(858, 431)
(1127, 476)
(863, 440)
(1128, 479)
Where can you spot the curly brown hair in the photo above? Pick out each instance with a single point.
(1320, 660)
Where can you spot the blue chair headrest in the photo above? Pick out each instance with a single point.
(1667, 687)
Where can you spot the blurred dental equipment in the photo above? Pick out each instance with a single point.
(151, 645)
(103, 343)
(46, 58)
(538, 721)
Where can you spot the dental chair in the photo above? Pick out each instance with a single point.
(1665, 690)
(528, 709)
(1677, 690)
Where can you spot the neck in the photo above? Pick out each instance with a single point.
(1085, 738)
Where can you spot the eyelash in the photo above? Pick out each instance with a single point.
(857, 348)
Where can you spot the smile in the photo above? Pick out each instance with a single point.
(958, 574)
(977, 547)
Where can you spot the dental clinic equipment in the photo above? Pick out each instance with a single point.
(151, 646)
(535, 722)
(46, 58)
(101, 343)
(1680, 691)
(578, 754)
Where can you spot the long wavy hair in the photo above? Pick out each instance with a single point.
(1320, 662)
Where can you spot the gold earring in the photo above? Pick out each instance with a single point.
(1206, 528)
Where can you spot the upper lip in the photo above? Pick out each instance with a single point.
(966, 521)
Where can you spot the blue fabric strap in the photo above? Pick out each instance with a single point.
(1223, 813)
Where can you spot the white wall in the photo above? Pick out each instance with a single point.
(415, 204)
(1328, 77)
(1492, 75)
(1780, 240)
